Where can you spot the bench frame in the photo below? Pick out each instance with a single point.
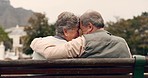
(76, 68)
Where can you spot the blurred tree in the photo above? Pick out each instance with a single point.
(134, 31)
(3, 35)
(39, 27)
(8, 43)
(5, 39)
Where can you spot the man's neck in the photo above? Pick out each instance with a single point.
(97, 29)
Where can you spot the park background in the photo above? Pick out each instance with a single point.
(36, 18)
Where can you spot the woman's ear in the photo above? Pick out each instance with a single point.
(65, 32)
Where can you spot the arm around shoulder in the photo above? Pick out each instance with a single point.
(69, 49)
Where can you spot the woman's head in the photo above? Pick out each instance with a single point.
(67, 25)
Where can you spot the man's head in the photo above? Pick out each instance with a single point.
(91, 21)
(67, 25)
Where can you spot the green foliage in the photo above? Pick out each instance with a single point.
(3, 35)
(134, 31)
(39, 27)
(5, 39)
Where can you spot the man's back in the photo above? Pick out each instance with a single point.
(101, 44)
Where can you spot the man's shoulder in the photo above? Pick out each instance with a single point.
(118, 38)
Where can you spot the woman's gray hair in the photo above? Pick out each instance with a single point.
(66, 20)
(93, 17)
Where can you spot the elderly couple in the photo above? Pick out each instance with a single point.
(82, 37)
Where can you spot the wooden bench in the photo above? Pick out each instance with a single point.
(76, 68)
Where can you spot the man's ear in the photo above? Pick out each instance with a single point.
(90, 27)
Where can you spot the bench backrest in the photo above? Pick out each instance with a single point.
(75, 68)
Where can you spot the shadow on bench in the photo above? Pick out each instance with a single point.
(76, 68)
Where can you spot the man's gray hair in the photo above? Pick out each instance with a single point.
(93, 17)
(66, 20)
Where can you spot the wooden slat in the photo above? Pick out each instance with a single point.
(69, 71)
(71, 62)
(110, 76)
(71, 68)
